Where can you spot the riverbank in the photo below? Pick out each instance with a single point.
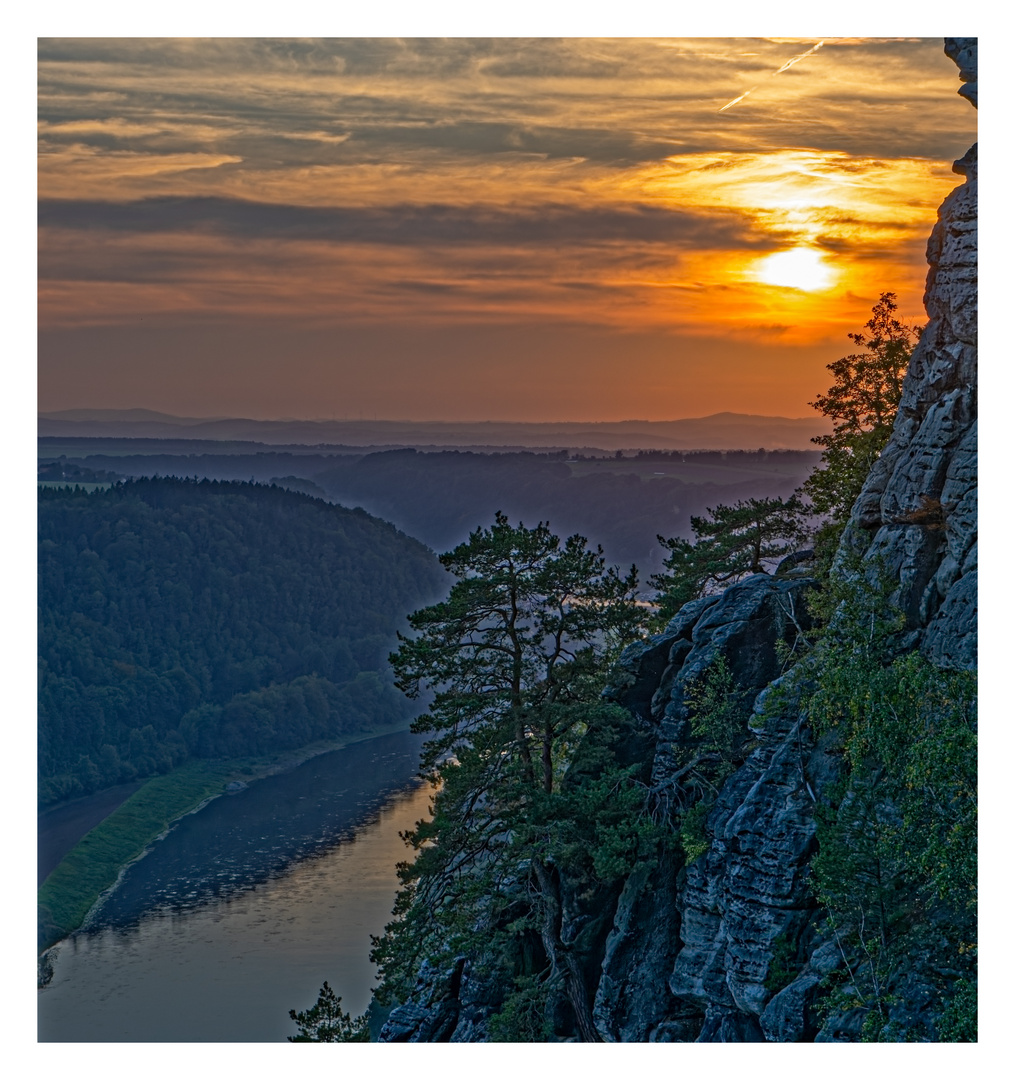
(245, 909)
(95, 863)
(61, 827)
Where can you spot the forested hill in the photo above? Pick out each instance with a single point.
(199, 619)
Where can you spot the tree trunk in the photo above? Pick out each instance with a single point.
(579, 998)
(548, 761)
(562, 960)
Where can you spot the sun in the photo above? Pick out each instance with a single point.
(799, 268)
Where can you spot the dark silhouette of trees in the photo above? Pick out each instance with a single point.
(325, 1021)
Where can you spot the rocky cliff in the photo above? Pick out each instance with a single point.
(917, 511)
(747, 898)
(697, 950)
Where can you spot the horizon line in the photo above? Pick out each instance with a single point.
(64, 414)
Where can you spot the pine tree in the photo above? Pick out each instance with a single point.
(325, 1021)
(730, 543)
(515, 659)
(863, 402)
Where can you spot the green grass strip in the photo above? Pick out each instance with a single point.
(66, 896)
(92, 866)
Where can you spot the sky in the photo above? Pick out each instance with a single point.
(470, 228)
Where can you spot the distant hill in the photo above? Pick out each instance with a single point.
(132, 416)
(624, 505)
(722, 431)
(183, 619)
(440, 495)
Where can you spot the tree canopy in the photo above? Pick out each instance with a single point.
(863, 402)
(326, 1021)
(515, 658)
(181, 619)
(730, 543)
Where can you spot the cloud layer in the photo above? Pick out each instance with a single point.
(465, 183)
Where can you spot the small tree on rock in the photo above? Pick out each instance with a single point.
(863, 402)
(730, 543)
(326, 1022)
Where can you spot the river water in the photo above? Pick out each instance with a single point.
(246, 908)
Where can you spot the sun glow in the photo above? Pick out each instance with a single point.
(799, 268)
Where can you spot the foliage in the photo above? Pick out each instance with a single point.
(693, 839)
(958, 1021)
(326, 1022)
(522, 757)
(784, 966)
(718, 712)
(524, 1015)
(730, 543)
(180, 619)
(896, 866)
(863, 402)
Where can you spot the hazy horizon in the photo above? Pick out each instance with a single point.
(90, 409)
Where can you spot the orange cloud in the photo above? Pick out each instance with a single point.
(586, 184)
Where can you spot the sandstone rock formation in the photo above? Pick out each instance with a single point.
(915, 519)
(920, 498)
(691, 950)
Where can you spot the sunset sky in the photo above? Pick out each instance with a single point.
(578, 229)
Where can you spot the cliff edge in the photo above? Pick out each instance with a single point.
(745, 906)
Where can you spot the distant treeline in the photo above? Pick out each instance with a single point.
(804, 458)
(202, 619)
(72, 472)
(441, 497)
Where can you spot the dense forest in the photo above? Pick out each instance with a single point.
(199, 619)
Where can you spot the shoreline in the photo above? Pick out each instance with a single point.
(85, 876)
(60, 827)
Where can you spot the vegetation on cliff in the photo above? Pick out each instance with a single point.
(529, 788)
(862, 403)
(750, 536)
(895, 871)
(897, 835)
(543, 808)
(729, 543)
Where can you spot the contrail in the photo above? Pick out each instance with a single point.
(736, 99)
(797, 59)
(788, 64)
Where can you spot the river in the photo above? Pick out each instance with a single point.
(244, 909)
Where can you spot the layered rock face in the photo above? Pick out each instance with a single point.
(747, 898)
(692, 949)
(707, 981)
(920, 498)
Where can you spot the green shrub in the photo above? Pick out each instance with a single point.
(958, 1021)
(524, 1016)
